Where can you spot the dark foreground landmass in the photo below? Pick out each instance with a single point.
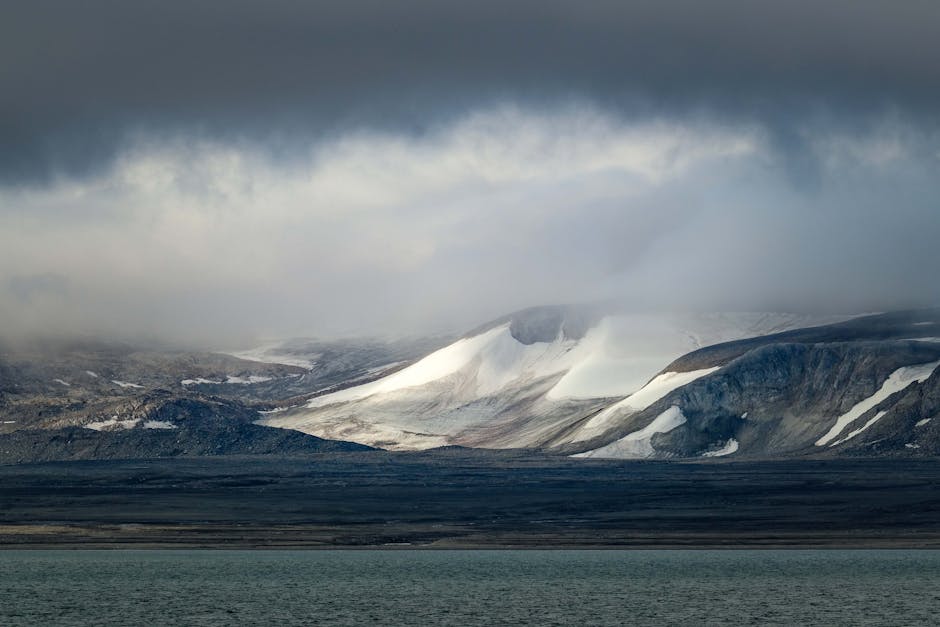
(450, 499)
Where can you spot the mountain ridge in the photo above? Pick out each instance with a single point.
(566, 380)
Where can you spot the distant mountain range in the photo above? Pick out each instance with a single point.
(568, 380)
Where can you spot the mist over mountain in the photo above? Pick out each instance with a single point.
(212, 173)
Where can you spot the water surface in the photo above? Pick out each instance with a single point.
(405, 587)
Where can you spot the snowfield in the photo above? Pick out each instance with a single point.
(499, 357)
(619, 355)
(493, 391)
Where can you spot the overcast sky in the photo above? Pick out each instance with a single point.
(215, 170)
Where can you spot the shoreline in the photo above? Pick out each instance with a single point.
(234, 537)
(432, 503)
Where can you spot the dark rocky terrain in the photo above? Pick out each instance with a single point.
(460, 498)
(194, 438)
(900, 325)
(62, 400)
(544, 324)
(328, 366)
(778, 395)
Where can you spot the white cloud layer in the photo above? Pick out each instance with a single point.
(506, 208)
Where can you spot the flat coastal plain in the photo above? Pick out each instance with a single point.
(468, 499)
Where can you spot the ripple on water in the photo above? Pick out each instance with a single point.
(405, 587)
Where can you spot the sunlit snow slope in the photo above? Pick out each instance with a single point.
(541, 377)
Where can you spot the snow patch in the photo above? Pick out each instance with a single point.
(9, 422)
(896, 381)
(865, 426)
(663, 385)
(921, 423)
(638, 445)
(159, 424)
(125, 384)
(91, 374)
(909, 445)
(253, 378)
(199, 381)
(656, 389)
(731, 446)
(113, 424)
(232, 379)
(276, 410)
(65, 383)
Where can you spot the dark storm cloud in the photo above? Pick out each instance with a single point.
(77, 77)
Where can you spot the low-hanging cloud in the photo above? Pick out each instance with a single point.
(504, 208)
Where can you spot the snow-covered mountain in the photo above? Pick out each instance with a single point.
(572, 381)
(543, 377)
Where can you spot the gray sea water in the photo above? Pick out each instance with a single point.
(829, 587)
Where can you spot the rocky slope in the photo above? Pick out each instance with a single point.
(96, 400)
(869, 386)
(188, 440)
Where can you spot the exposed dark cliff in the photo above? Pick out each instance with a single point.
(779, 399)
